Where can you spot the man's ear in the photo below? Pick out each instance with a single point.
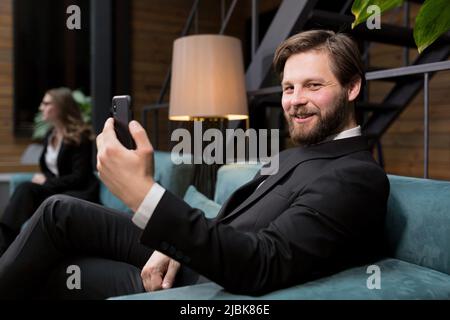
(353, 89)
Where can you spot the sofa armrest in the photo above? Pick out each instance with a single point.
(18, 178)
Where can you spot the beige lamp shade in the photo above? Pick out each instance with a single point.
(207, 79)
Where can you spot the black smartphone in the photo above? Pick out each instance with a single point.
(122, 114)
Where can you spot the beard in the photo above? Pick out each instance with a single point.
(330, 123)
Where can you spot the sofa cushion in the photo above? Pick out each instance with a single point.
(399, 280)
(418, 222)
(198, 200)
(111, 201)
(174, 177)
(231, 176)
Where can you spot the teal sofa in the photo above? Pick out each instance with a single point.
(417, 236)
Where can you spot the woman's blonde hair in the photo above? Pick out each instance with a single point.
(69, 115)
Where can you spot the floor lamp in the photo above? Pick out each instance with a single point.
(208, 85)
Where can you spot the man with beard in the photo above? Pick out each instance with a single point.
(322, 211)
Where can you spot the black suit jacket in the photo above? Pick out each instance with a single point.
(75, 168)
(322, 212)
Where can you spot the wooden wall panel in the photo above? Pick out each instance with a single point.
(5, 70)
(10, 147)
(5, 79)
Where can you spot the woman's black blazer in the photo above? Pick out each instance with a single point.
(75, 168)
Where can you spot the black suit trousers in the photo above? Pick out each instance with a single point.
(65, 231)
(24, 202)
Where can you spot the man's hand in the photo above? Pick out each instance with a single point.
(38, 178)
(128, 174)
(159, 272)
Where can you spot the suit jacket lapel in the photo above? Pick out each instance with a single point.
(331, 149)
(60, 160)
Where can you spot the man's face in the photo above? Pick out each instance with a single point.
(315, 104)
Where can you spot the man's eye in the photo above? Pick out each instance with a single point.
(314, 86)
(287, 89)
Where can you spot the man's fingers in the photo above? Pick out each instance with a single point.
(108, 133)
(108, 126)
(155, 281)
(151, 279)
(172, 271)
(109, 123)
(99, 141)
(107, 142)
(140, 136)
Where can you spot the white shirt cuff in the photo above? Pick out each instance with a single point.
(148, 206)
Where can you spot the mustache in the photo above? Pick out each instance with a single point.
(302, 111)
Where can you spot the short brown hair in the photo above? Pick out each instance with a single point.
(346, 60)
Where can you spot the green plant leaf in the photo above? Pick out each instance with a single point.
(79, 96)
(359, 8)
(432, 21)
(84, 103)
(40, 127)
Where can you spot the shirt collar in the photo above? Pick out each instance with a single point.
(353, 132)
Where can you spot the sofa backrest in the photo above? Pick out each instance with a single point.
(173, 177)
(230, 177)
(418, 222)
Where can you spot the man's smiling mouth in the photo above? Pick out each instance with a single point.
(302, 117)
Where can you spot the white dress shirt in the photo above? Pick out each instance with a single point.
(51, 156)
(151, 200)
